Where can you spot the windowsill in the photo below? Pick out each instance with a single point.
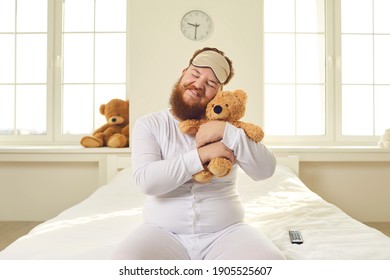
(333, 153)
(305, 153)
(59, 149)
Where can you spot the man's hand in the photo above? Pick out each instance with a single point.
(209, 132)
(215, 150)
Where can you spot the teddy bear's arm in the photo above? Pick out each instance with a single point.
(125, 131)
(254, 132)
(190, 127)
(101, 129)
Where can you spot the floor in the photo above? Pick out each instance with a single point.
(383, 227)
(10, 231)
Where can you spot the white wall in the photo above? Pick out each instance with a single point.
(37, 191)
(361, 189)
(159, 52)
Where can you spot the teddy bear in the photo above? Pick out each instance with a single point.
(225, 106)
(384, 141)
(115, 133)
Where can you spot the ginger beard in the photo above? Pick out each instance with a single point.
(180, 108)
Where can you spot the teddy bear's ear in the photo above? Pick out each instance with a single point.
(241, 95)
(102, 109)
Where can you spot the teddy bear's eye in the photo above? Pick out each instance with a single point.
(227, 105)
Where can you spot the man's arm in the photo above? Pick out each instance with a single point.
(154, 175)
(254, 158)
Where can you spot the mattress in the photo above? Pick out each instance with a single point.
(93, 228)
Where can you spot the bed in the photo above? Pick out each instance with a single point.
(93, 228)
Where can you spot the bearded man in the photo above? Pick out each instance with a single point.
(182, 219)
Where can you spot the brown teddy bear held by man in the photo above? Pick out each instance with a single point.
(225, 106)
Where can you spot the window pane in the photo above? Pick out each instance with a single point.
(78, 15)
(78, 58)
(7, 106)
(110, 58)
(103, 94)
(31, 119)
(310, 110)
(7, 58)
(32, 16)
(357, 110)
(7, 16)
(310, 16)
(31, 58)
(77, 109)
(111, 15)
(382, 59)
(356, 16)
(357, 60)
(279, 58)
(275, 10)
(279, 110)
(310, 59)
(382, 112)
(381, 16)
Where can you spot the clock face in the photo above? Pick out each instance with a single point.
(196, 25)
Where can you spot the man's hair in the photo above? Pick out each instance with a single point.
(220, 52)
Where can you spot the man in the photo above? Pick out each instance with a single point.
(183, 219)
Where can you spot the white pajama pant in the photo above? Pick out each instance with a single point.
(236, 242)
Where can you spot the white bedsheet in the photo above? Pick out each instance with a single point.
(93, 228)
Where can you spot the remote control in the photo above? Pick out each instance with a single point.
(295, 236)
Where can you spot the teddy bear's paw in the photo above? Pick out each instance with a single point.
(256, 135)
(117, 141)
(188, 127)
(202, 177)
(220, 167)
(91, 142)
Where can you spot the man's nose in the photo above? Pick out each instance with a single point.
(199, 84)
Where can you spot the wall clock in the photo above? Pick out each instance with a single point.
(196, 25)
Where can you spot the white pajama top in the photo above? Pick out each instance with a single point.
(164, 160)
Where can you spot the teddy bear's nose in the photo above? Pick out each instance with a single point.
(217, 109)
(113, 119)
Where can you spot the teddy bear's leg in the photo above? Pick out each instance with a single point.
(220, 166)
(117, 141)
(91, 142)
(203, 176)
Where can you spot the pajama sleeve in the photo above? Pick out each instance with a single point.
(254, 158)
(154, 175)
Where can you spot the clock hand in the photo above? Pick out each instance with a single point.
(196, 25)
(196, 29)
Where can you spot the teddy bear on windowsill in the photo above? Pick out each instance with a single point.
(384, 142)
(115, 133)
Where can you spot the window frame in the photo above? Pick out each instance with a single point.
(328, 139)
(54, 113)
(333, 92)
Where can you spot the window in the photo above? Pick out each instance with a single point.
(294, 67)
(365, 86)
(94, 64)
(23, 67)
(326, 66)
(61, 59)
